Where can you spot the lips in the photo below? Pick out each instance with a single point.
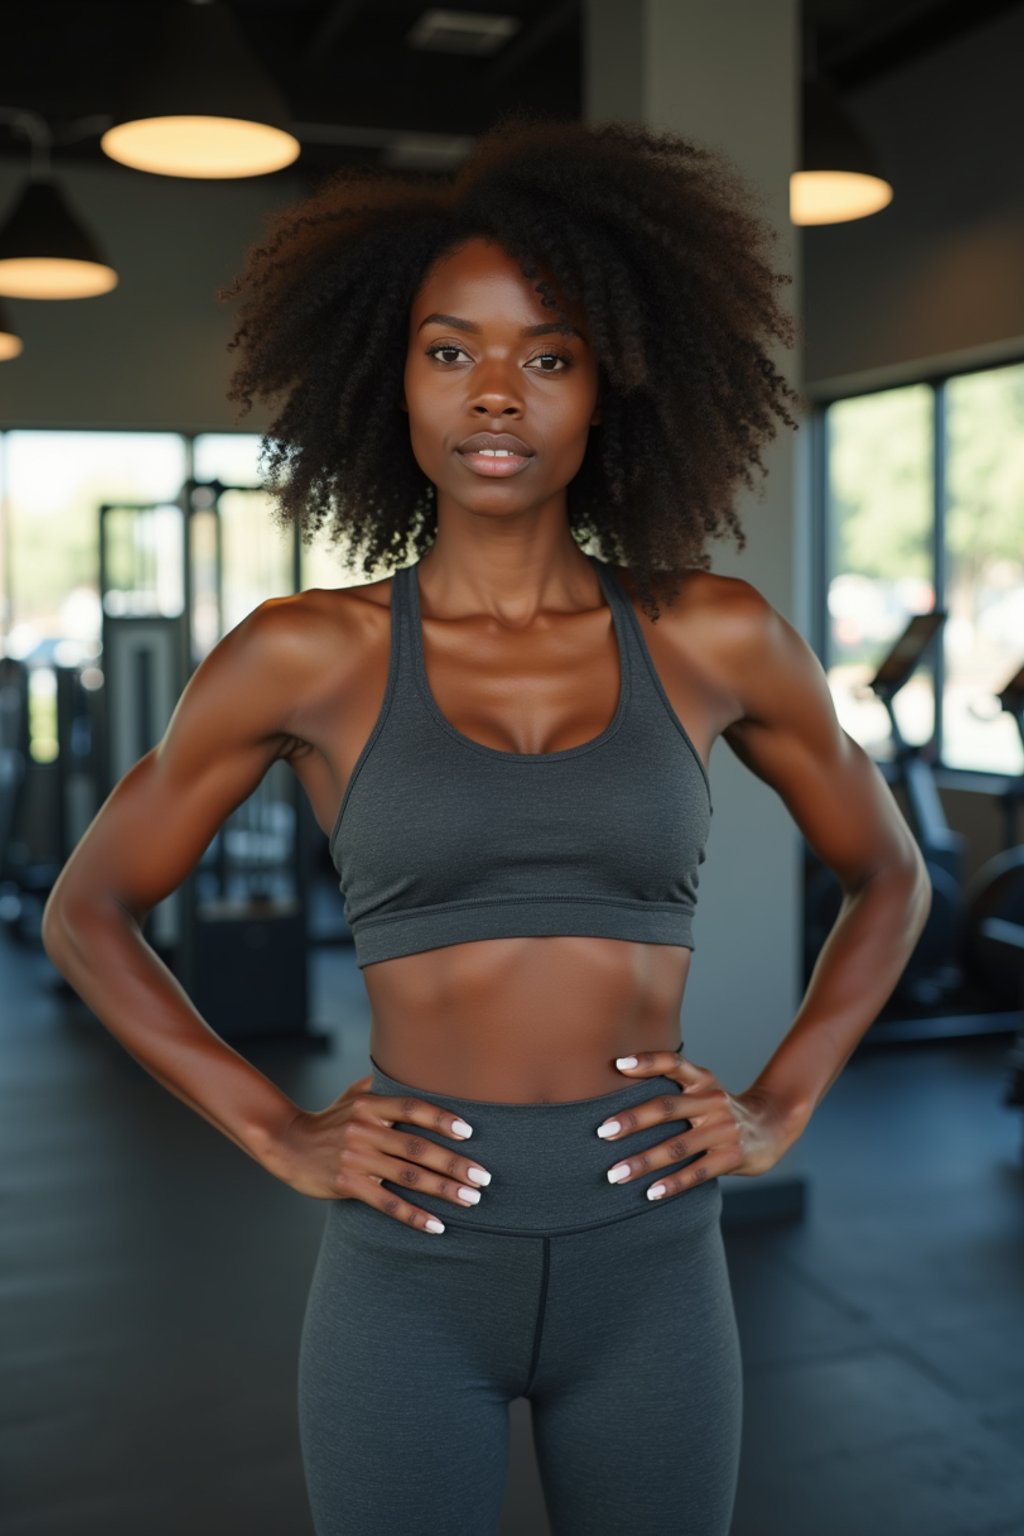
(496, 440)
(495, 466)
(496, 455)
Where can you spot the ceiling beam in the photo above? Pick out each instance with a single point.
(518, 53)
(333, 24)
(911, 33)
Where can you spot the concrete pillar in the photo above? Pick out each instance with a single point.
(728, 74)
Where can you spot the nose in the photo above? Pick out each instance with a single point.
(494, 409)
(495, 391)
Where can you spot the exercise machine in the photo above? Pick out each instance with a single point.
(934, 969)
(173, 580)
(994, 936)
(45, 805)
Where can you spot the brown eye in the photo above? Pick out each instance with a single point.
(558, 356)
(450, 346)
(442, 346)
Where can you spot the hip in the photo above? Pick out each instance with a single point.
(548, 1166)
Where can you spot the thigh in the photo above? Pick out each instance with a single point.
(638, 1396)
(405, 1376)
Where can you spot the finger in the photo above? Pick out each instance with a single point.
(677, 1150)
(695, 1104)
(664, 1063)
(389, 1108)
(443, 1171)
(623, 1123)
(392, 1205)
(667, 1106)
(718, 1161)
(648, 1061)
(418, 1159)
(446, 1176)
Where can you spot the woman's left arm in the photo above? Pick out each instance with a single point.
(781, 723)
(787, 733)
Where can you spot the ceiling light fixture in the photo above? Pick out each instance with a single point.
(45, 250)
(839, 177)
(207, 108)
(11, 344)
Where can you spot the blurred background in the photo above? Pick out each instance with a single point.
(153, 1279)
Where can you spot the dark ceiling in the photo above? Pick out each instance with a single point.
(359, 89)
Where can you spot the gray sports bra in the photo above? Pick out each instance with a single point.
(441, 840)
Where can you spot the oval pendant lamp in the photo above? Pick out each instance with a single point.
(11, 344)
(839, 178)
(44, 251)
(204, 107)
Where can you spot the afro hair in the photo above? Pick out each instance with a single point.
(655, 237)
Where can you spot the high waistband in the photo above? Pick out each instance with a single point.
(548, 1166)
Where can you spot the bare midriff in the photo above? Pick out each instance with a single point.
(524, 1020)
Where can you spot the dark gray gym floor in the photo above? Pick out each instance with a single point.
(154, 1277)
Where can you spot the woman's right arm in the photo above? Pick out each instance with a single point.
(228, 727)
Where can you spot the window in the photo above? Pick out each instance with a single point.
(924, 493)
(984, 635)
(880, 494)
(233, 458)
(54, 484)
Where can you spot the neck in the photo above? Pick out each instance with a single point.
(512, 579)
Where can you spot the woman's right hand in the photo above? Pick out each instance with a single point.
(344, 1152)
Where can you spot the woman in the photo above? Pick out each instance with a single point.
(507, 744)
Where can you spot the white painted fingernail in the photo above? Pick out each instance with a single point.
(625, 1061)
(656, 1191)
(461, 1128)
(479, 1176)
(433, 1225)
(620, 1171)
(472, 1195)
(610, 1128)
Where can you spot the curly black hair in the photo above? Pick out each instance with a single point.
(654, 236)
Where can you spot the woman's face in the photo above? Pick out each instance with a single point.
(473, 370)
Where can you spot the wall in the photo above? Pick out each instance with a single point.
(152, 352)
(679, 68)
(934, 280)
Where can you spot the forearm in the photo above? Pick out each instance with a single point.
(101, 951)
(856, 972)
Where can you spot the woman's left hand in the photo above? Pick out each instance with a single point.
(744, 1133)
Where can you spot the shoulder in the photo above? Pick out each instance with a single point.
(724, 607)
(289, 650)
(722, 628)
(294, 624)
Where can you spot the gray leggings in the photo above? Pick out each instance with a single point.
(610, 1312)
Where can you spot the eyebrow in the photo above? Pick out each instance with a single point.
(545, 329)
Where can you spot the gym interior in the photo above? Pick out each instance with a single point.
(153, 1278)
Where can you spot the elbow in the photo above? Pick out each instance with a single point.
(904, 869)
(49, 924)
(906, 874)
(62, 919)
(53, 924)
(911, 872)
(53, 930)
(919, 877)
(74, 920)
